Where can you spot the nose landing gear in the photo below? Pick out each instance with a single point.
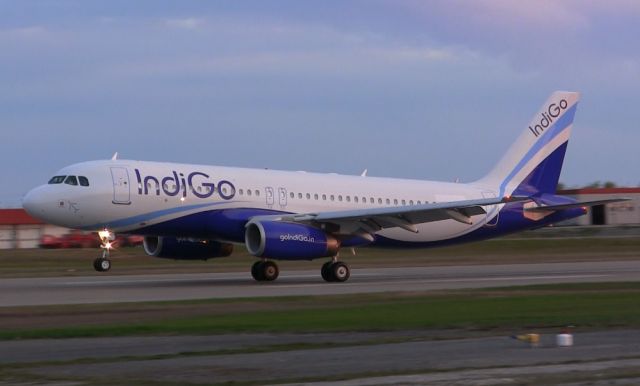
(103, 264)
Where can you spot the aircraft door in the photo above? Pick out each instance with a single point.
(121, 192)
(269, 196)
(282, 197)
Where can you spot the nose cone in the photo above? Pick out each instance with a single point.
(34, 203)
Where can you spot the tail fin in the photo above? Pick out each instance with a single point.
(533, 163)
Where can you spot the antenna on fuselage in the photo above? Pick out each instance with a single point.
(115, 156)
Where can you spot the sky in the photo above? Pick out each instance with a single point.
(411, 89)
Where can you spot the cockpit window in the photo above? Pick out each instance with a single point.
(71, 180)
(56, 179)
(84, 181)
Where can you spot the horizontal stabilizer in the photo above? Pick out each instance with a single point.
(546, 208)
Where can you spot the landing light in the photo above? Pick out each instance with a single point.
(182, 199)
(106, 235)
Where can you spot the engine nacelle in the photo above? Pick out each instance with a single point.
(283, 240)
(179, 249)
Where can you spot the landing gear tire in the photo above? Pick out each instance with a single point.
(101, 264)
(340, 272)
(265, 271)
(270, 271)
(326, 271)
(335, 272)
(256, 271)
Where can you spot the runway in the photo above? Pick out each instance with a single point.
(113, 288)
(489, 360)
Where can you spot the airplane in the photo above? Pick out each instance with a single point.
(200, 212)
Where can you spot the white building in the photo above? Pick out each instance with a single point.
(618, 213)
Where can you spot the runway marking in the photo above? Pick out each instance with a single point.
(506, 278)
(522, 277)
(350, 284)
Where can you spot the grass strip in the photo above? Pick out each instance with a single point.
(587, 305)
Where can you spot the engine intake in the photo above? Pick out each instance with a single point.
(290, 241)
(180, 249)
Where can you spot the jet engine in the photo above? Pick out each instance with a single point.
(288, 241)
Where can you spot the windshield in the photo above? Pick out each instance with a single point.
(71, 180)
(57, 180)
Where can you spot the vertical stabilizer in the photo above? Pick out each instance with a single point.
(533, 163)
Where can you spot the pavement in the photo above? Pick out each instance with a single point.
(202, 360)
(112, 288)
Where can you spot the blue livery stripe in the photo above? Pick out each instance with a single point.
(545, 139)
(150, 216)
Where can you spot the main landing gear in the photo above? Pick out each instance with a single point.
(265, 270)
(103, 264)
(335, 271)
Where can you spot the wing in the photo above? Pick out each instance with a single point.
(366, 222)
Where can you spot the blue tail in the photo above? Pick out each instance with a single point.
(533, 164)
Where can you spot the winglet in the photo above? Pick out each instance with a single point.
(115, 156)
(364, 173)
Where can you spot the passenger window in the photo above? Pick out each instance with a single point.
(419, 203)
(371, 200)
(395, 201)
(348, 198)
(308, 196)
(248, 192)
(355, 198)
(379, 201)
(300, 196)
(333, 197)
(241, 192)
(388, 201)
(404, 202)
(315, 196)
(83, 181)
(340, 198)
(71, 180)
(410, 202)
(324, 197)
(257, 192)
(57, 180)
(292, 195)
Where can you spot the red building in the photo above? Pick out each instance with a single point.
(19, 230)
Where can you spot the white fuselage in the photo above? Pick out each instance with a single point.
(127, 196)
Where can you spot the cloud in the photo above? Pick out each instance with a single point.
(24, 33)
(540, 14)
(188, 23)
(411, 75)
